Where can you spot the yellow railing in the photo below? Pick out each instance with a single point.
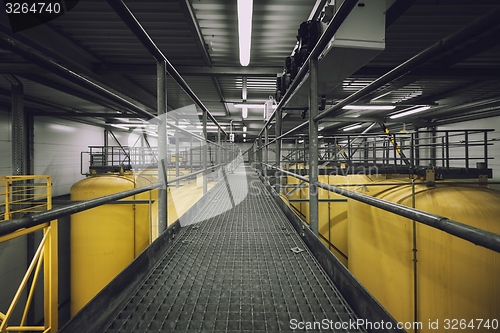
(20, 196)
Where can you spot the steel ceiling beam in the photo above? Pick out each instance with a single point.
(43, 61)
(64, 49)
(444, 45)
(136, 28)
(187, 8)
(149, 69)
(76, 93)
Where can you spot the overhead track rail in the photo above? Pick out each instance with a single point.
(133, 24)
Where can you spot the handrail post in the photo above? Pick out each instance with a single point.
(279, 120)
(313, 145)
(162, 146)
(205, 152)
(266, 151)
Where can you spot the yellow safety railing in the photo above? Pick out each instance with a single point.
(20, 196)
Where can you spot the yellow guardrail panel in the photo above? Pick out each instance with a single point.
(19, 196)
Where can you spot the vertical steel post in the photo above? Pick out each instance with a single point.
(219, 155)
(278, 124)
(205, 153)
(313, 145)
(19, 128)
(266, 151)
(162, 145)
(191, 156)
(177, 153)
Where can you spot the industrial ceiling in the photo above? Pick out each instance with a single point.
(90, 49)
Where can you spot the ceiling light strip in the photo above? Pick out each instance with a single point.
(245, 9)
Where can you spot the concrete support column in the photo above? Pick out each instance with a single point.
(313, 146)
(162, 145)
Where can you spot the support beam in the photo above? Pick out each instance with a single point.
(277, 128)
(187, 8)
(192, 70)
(162, 147)
(313, 145)
(20, 156)
(205, 154)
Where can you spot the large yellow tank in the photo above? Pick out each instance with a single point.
(456, 280)
(333, 216)
(332, 222)
(105, 239)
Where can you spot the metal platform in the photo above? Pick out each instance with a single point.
(245, 269)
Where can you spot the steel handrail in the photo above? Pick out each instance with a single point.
(474, 235)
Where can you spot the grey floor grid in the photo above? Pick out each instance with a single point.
(236, 272)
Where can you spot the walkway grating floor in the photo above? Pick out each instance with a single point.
(241, 270)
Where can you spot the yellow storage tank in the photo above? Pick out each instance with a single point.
(333, 216)
(332, 223)
(456, 280)
(105, 239)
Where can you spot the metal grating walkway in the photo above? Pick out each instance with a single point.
(235, 271)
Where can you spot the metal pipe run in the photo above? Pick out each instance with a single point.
(474, 235)
(46, 63)
(339, 17)
(133, 24)
(478, 26)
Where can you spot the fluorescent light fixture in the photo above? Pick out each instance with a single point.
(350, 128)
(244, 135)
(244, 128)
(403, 114)
(249, 106)
(369, 107)
(245, 9)
(244, 112)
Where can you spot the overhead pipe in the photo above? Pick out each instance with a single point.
(41, 60)
(135, 26)
(478, 26)
(474, 235)
(339, 17)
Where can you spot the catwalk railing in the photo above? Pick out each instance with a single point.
(28, 196)
(29, 208)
